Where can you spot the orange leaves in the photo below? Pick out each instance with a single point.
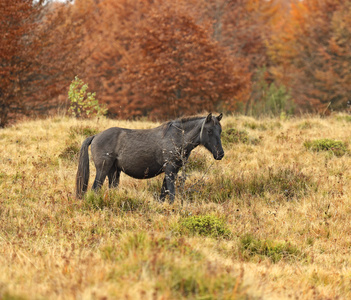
(168, 64)
(16, 22)
(312, 46)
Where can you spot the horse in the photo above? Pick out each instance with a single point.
(146, 153)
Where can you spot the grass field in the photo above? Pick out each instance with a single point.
(269, 221)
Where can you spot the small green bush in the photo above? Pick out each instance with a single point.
(83, 104)
(249, 246)
(206, 225)
(337, 148)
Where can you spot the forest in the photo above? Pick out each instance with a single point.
(161, 59)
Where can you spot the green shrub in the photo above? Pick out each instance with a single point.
(337, 148)
(83, 104)
(206, 225)
(250, 246)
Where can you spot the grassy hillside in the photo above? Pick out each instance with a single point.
(269, 221)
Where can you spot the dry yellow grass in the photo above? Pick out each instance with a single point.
(125, 245)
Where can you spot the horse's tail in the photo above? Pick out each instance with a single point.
(82, 177)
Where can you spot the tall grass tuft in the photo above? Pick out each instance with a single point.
(85, 131)
(115, 200)
(289, 183)
(251, 247)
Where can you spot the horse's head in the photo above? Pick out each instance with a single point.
(210, 136)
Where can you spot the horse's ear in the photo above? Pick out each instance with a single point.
(219, 117)
(209, 118)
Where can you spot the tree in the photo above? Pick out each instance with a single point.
(58, 55)
(245, 27)
(179, 68)
(16, 22)
(160, 62)
(313, 56)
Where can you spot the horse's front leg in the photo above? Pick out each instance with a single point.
(163, 190)
(168, 186)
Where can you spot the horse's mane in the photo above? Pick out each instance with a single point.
(180, 121)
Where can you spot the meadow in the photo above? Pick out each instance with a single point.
(269, 221)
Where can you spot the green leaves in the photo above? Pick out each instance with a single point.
(206, 225)
(83, 103)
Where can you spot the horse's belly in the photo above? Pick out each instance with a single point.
(142, 171)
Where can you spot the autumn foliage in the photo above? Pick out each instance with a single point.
(16, 21)
(312, 54)
(162, 58)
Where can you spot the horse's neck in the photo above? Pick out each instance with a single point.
(192, 136)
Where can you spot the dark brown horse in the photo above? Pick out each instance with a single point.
(147, 153)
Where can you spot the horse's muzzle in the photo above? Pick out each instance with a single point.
(219, 156)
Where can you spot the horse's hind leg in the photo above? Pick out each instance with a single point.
(102, 170)
(113, 176)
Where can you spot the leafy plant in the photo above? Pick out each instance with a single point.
(83, 103)
(207, 225)
(338, 148)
